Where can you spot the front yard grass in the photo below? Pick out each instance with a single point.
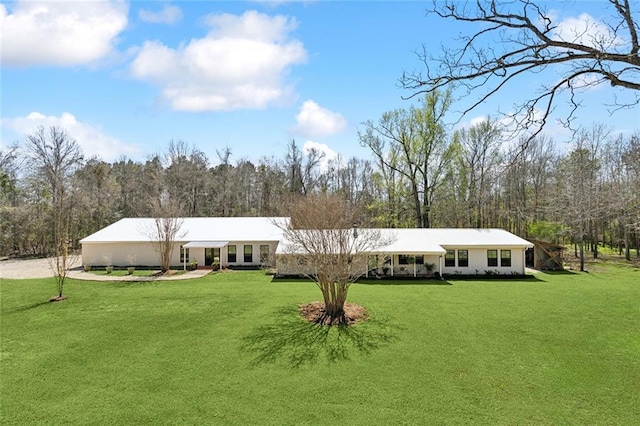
(562, 348)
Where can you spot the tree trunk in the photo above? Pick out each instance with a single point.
(627, 252)
(595, 240)
(582, 246)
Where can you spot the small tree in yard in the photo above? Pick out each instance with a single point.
(164, 231)
(323, 242)
(60, 264)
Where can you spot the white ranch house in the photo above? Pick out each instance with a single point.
(258, 241)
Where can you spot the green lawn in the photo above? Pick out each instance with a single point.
(230, 349)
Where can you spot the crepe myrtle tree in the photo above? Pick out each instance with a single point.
(322, 243)
(164, 230)
(60, 264)
(510, 40)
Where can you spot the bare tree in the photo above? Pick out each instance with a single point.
(513, 39)
(223, 181)
(479, 159)
(302, 168)
(579, 197)
(9, 169)
(60, 264)
(9, 166)
(55, 156)
(414, 143)
(323, 243)
(165, 230)
(186, 174)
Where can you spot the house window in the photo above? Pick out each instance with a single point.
(463, 258)
(231, 254)
(450, 258)
(264, 254)
(248, 253)
(184, 254)
(492, 257)
(419, 260)
(403, 259)
(505, 257)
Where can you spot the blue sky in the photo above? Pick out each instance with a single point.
(127, 77)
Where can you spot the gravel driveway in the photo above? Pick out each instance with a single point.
(31, 268)
(39, 268)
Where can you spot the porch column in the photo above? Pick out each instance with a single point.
(391, 265)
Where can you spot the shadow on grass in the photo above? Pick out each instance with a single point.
(27, 307)
(371, 281)
(296, 342)
(290, 279)
(133, 283)
(402, 281)
(560, 272)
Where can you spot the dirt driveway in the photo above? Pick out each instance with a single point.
(31, 268)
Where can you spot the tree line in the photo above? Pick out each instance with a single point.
(421, 174)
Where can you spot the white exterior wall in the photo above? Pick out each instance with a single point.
(255, 261)
(124, 254)
(478, 261)
(196, 254)
(143, 254)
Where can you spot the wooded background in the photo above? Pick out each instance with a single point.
(506, 173)
(583, 190)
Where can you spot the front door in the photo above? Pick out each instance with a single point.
(212, 256)
(208, 256)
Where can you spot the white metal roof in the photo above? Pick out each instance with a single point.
(408, 241)
(436, 241)
(209, 230)
(206, 244)
(194, 229)
(464, 237)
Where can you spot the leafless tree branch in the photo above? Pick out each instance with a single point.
(518, 38)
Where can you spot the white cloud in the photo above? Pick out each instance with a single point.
(316, 121)
(92, 140)
(59, 33)
(168, 15)
(329, 154)
(240, 64)
(587, 31)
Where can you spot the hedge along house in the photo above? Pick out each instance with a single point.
(421, 252)
(208, 241)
